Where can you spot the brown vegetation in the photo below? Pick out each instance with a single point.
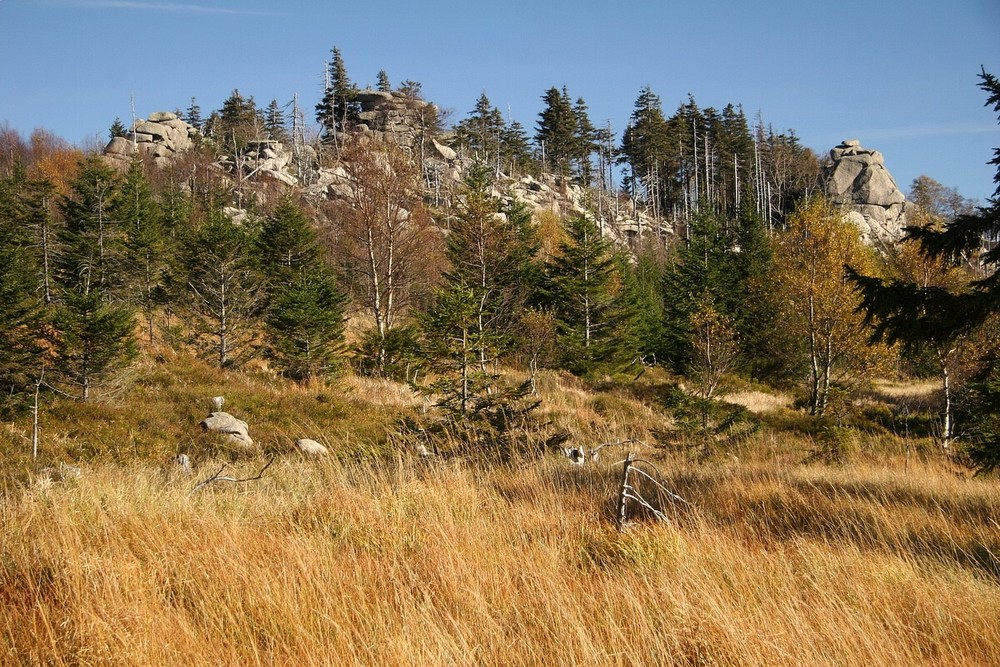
(375, 557)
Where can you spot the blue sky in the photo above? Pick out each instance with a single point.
(899, 76)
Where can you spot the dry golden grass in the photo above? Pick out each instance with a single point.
(331, 563)
(758, 401)
(373, 558)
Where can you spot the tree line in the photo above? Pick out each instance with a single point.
(96, 260)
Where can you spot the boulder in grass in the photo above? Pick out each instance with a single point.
(310, 447)
(234, 429)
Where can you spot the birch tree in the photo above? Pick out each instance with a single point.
(816, 304)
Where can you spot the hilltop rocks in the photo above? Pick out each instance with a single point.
(162, 135)
(857, 179)
(397, 118)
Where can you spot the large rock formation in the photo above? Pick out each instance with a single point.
(162, 135)
(397, 118)
(857, 179)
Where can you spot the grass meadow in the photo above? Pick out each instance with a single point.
(888, 554)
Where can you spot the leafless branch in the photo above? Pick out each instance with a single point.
(218, 478)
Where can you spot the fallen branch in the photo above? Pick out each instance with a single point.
(217, 477)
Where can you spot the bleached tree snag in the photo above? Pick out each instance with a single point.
(217, 477)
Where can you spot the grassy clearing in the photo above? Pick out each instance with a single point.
(376, 558)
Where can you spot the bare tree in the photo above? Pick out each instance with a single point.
(387, 241)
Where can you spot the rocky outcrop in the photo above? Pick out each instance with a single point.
(857, 179)
(162, 135)
(397, 118)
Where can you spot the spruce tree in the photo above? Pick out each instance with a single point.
(90, 238)
(338, 109)
(117, 129)
(305, 324)
(556, 131)
(274, 122)
(305, 308)
(918, 314)
(143, 243)
(95, 332)
(703, 271)
(224, 295)
(482, 132)
(21, 304)
(491, 249)
(193, 115)
(585, 293)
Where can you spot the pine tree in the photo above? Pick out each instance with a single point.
(383, 82)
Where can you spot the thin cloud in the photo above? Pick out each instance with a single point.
(919, 131)
(174, 7)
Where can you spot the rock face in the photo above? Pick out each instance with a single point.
(857, 179)
(162, 135)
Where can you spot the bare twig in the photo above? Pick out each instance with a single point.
(218, 478)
